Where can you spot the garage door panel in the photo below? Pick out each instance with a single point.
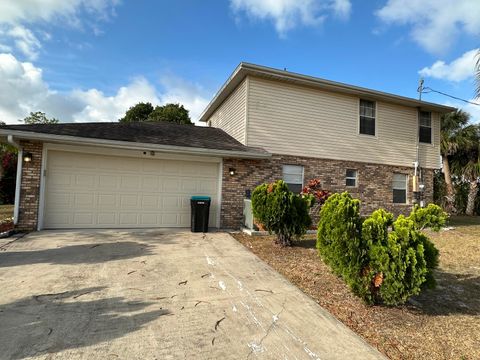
(150, 183)
(84, 200)
(108, 181)
(60, 179)
(106, 219)
(84, 219)
(171, 185)
(129, 219)
(112, 191)
(128, 182)
(107, 201)
(59, 200)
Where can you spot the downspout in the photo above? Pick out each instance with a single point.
(18, 181)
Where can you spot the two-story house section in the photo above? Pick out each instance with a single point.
(382, 148)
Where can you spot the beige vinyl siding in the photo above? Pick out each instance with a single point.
(231, 115)
(296, 120)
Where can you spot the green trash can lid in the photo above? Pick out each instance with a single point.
(201, 198)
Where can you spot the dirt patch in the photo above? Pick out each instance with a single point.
(440, 324)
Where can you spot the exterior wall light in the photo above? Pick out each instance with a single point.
(232, 171)
(27, 157)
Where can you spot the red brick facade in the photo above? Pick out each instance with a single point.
(374, 187)
(30, 187)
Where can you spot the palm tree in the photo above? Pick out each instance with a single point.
(466, 163)
(477, 74)
(452, 138)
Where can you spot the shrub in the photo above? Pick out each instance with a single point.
(338, 234)
(382, 260)
(281, 211)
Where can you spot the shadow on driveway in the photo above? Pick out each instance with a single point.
(77, 254)
(49, 323)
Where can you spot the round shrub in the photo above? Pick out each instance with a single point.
(280, 211)
(382, 260)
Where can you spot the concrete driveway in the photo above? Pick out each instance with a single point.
(156, 295)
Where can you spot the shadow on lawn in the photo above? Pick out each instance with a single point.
(50, 323)
(454, 294)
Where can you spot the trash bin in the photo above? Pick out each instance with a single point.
(200, 210)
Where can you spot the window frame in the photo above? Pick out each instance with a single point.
(394, 188)
(375, 118)
(420, 126)
(350, 178)
(296, 174)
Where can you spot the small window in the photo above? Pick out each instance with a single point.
(351, 178)
(399, 188)
(293, 176)
(367, 117)
(425, 127)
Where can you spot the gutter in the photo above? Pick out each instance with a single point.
(18, 180)
(135, 146)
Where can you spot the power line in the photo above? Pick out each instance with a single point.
(429, 90)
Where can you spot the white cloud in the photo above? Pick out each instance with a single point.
(99, 107)
(459, 69)
(435, 23)
(23, 90)
(25, 41)
(288, 14)
(19, 20)
(29, 11)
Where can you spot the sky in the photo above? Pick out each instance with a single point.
(90, 60)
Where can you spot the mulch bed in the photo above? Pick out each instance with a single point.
(440, 324)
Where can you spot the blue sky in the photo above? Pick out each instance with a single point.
(89, 60)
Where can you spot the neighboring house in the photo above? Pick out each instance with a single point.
(265, 125)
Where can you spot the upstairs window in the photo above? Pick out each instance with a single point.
(399, 188)
(367, 117)
(351, 178)
(425, 127)
(293, 176)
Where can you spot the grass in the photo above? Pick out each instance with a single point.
(6, 211)
(439, 324)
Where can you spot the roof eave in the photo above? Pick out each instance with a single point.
(29, 135)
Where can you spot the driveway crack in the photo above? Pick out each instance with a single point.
(275, 318)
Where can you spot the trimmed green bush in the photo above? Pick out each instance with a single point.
(281, 212)
(382, 260)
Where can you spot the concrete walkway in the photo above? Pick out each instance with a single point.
(157, 295)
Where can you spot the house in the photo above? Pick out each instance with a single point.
(263, 124)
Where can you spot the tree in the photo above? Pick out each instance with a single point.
(38, 117)
(171, 112)
(175, 113)
(466, 163)
(138, 112)
(452, 137)
(477, 74)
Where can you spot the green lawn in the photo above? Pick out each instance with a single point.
(6, 211)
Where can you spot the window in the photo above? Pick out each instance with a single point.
(367, 117)
(399, 188)
(293, 176)
(425, 127)
(351, 178)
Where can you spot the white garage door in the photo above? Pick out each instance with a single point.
(98, 191)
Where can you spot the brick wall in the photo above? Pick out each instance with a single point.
(374, 186)
(30, 187)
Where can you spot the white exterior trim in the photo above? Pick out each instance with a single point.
(43, 178)
(220, 192)
(18, 180)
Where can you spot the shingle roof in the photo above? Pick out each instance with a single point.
(161, 133)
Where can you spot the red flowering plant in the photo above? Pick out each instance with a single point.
(314, 188)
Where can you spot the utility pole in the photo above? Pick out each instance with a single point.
(420, 89)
